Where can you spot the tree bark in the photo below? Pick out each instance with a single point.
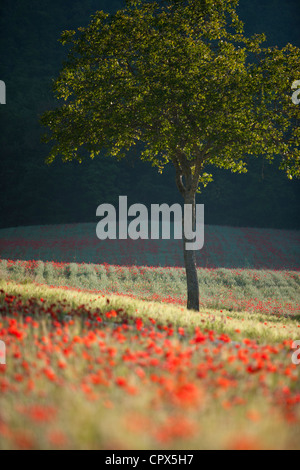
(190, 261)
(187, 184)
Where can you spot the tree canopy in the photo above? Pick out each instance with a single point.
(180, 80)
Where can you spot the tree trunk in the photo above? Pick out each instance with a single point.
(190, 262)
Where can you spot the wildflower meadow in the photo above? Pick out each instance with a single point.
(106, 356)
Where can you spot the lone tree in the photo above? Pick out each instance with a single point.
(180, 78)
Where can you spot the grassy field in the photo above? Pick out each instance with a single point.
(262, 291)
(103, 356)
(90, 371)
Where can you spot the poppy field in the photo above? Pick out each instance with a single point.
(268, 291)
(101, 356)
(103, 372)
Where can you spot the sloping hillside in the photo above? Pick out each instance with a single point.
(225, 247)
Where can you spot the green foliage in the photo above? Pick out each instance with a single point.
(182, 79)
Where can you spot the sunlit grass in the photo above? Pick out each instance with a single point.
(124, 365)
(276, 292)
(263, 327)
(88, 371)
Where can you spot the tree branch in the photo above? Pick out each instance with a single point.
(179, 174)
